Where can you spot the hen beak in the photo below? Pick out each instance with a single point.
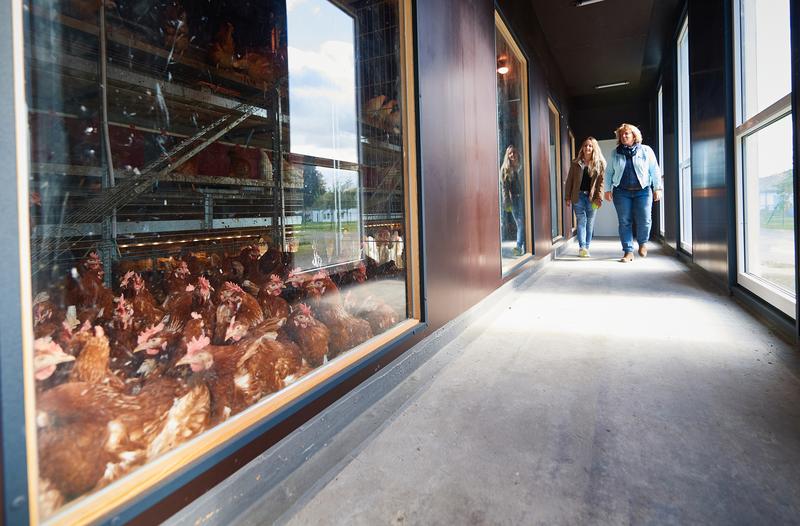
(186, 360)
(53, 359)
(153, 343)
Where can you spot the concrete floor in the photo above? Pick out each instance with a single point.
(599, 393)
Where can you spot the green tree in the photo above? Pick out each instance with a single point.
(313, 185)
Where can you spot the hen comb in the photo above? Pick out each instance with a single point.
(305, 310)
(126, 278)
(197, 344)
(149, 333)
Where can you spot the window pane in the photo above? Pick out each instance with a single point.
(555, 179)
(217, 209)
(769, 204)
(765, 52)
(511, 107)
(684, 141)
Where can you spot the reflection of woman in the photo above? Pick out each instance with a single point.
(633, 180)
(584, 190)
(513, 198)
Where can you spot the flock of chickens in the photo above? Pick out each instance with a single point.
(127, 374)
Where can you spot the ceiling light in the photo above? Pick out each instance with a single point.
(502, 70)
(613, 84)
(581, 3)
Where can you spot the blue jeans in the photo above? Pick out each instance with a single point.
(633, 205)
(585, 216)
(517, 206)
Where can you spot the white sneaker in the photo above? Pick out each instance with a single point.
(583, 253)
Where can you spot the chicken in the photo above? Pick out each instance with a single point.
(379, 314)
(346, 331)
(221, 51)
(123, 336)
(47, 356)
(145, 311)
(249, 258)
(90, 435)
(258, 66)
(237, 313)
(178, 279)
(175, 28)
(272, 262)
(47, 317)
(180, 306)
(84, 288)
(269, 297)
(309, 334)
(92, 362)
(320, 288)
(294, 290)
(240, 375)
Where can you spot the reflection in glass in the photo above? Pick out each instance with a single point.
(511, 108)
(765, 53)
(555, 175)
(217, 209)
(769, 204)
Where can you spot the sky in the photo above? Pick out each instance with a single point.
(322, 95)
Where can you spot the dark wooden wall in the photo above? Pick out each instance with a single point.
(544, 80)
(458, 153)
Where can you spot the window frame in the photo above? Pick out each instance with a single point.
(145, 486)
(558, 213)
(662, 204)
(502, 28)
(774, 295)
(684, 157)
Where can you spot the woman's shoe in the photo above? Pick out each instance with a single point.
(643, 250)
(583, 253)
(627, 258)
(517, 251)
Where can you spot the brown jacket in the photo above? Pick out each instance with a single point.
(573, 186)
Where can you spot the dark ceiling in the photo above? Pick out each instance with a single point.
(610, 41)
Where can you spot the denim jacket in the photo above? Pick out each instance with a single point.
(645, 164)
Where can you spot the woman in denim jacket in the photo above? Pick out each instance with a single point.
(633, 182)
(584, 190)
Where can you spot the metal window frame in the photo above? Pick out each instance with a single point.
(139, 490)
(684, 158)
(780, 109)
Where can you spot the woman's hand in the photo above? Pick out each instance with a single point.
(569, 203)
(656, 195)
(609, 196)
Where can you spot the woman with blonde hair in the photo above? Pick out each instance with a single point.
(512, 193)
(584, 190)
(633, 182)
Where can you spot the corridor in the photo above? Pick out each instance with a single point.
(604, 394)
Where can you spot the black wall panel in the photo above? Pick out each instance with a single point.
(709, 109)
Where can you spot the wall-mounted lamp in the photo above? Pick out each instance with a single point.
(502, 65)
(612, 85)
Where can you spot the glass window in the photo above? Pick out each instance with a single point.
(219, 207)
(512, 131)
(766, 66)
(769, 204)
(684, 141)
(555, 172)
(764, 138)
